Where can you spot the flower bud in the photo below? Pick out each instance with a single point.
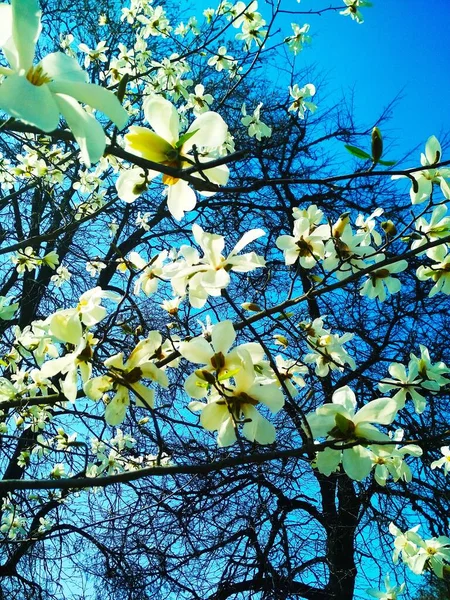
(377, 145)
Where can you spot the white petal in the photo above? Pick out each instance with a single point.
(59, 66)
(211, 131)
(30, 103)
(213, 415)
(227, 433)
(5, 23)
(381, 411)
(246, 239)
(86, 129)
(357, 462)
(433, 150)
(269, 395)
(26, 30)
(346, 397)
(65, 325)
(223, 336)
(180, 199)
(95, 96)
(145, 397)
(197, 351)
(328, 460)
(259, 429)
(163, 118)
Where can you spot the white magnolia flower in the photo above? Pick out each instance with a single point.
(423, 186)
(210, 274)
(367, 225)
(150, 271)
(235, 402)
(437, 228)
(301, 102)
(444, 462)
(256, 128)
(328, 353)
(69, 364)
(306, 243)
(392, 591)
(66, 325)
(164, 145)
(299, 39)
(389, 461)
(408, 384)
(221, 60)
(381, 279)
(38, 94)
(439, 271)
(434, 553)
(338, 421)
(125, 377)
(215, 357)
(353, 11)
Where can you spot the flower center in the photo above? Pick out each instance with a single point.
(37, 76)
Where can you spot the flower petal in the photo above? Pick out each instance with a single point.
(26, 26)
(357, 462)
(246, 239)
(223, 336)
(5, 23)
(61, 67)
(143, 142)
(211, 131)
(95, 96)
(86, 129)
(30, 103)
(163, 118)
(381, 411)
(180, 199)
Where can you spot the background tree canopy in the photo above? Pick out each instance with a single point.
(222, 308)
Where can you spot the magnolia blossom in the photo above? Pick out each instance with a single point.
(209, 275)
(367, 227)
(437, 228)
(353, 11)
(328, 352)
(66, 325)
(69, 364)
(38, 94)
(151, 271)
(392, 591)
(439, 271)
(164, 145)
(423, 186)
(388, 461)
(301, 102)
(338, 421)
(299, 39)
(444, 462)
(256, 128)
(215, 357)
(344, 251)
(235, 400)
(125, 377)
(306, 243)
(381, 279)
(408, 384)
(417, 553)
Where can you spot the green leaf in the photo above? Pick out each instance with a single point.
(284, 316)
(185, 137)
(358, 152)
(387, 163)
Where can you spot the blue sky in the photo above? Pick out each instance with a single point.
(402, 47)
